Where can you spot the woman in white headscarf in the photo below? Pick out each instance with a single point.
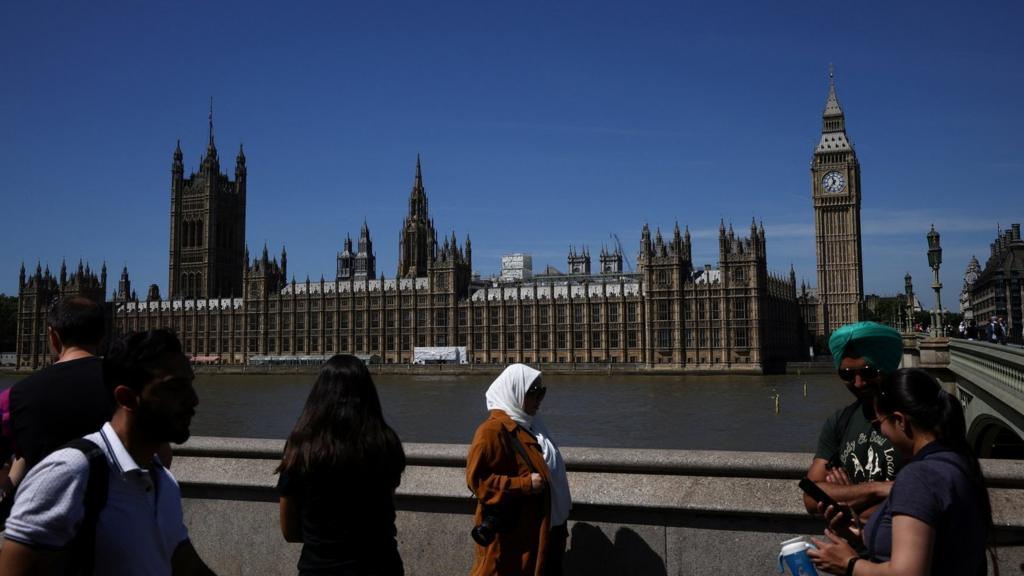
(519, 479)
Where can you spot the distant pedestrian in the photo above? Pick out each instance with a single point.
(339, 472)
(972, 330)
(520, 482)
(1003, 331)
(995, 333)
(107, 505)
(853, 463)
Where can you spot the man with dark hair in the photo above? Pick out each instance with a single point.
(66, 400)
(139, 527)
(854, 463)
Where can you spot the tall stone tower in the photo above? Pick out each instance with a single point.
(835, 189)
(207, 255)
(417, 243)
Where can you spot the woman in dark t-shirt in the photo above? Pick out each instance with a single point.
(341, 466)
(938, 517)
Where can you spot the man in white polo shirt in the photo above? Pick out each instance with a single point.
(139, 529)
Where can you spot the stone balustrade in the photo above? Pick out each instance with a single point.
(644, 512)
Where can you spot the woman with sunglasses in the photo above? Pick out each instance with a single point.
(341, 466)
(520, 482)
(938, 517)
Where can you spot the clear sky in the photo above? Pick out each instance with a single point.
(541, 124)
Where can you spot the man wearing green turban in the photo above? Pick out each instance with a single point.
(854, 463)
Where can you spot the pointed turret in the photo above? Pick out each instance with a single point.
(645, 241)
(284, 263)
(177, 165)
(21, 274)
(832, 107)
(833, 122)
(211, 148)
(63, 273)
(240, 163)
(418, 196)
(124, 286)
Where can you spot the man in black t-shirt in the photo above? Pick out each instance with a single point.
(68, 399)
(853, 462)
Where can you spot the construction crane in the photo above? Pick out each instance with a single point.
(618, 245)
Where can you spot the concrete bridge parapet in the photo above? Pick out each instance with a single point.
(649, 512)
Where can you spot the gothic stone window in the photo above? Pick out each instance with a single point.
(663, 310)
(740, 309)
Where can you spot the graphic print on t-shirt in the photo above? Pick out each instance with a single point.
(868, 458)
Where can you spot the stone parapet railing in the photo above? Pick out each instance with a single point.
(999, 368)
(648, 512)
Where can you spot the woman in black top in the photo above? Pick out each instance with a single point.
(341, 466)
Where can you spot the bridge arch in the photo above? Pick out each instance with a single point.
(990, 437)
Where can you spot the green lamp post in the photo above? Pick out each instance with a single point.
(934, 262)
(908, 288)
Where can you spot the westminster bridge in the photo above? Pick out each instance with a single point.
(642, 512)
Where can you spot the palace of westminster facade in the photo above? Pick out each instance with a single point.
(233, 309)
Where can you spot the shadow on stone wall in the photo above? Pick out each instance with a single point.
(591, 553)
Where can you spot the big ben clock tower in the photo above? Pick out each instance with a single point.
(835, 188)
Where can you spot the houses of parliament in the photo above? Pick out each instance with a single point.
(232, 307)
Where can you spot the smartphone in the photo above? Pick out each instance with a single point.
(817, 493)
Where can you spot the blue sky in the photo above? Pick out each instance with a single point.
(540, 124)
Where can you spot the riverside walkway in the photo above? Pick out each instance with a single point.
(642, 512)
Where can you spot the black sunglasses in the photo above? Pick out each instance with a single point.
(865, 373)
(538, 391)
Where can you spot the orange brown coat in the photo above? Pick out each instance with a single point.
(497, 475)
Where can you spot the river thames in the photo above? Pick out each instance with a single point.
(721, 412)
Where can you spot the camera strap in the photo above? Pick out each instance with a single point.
(518, 447)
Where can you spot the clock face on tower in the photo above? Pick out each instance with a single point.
(833, 182)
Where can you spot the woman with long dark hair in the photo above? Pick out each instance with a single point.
(938, 517)
(341, 466)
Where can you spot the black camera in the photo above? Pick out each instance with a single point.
(494, 521)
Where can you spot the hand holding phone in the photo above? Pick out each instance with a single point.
(819, 495)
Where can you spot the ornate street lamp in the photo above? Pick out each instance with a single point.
(908, 288)
(935, 261)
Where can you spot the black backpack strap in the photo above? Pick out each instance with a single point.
(83, 547)
(518, 447)
(842, 424)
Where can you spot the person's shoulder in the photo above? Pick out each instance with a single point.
(57, 467)
(493, 425)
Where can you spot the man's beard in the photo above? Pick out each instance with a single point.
(159, 426)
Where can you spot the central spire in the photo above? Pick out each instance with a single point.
(833, 121)
(832, 107)
(211, 146)
(418, 196)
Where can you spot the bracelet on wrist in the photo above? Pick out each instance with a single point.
(851, 564)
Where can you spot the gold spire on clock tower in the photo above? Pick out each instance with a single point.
(835, 190)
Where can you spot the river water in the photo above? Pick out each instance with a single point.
(645, 411)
